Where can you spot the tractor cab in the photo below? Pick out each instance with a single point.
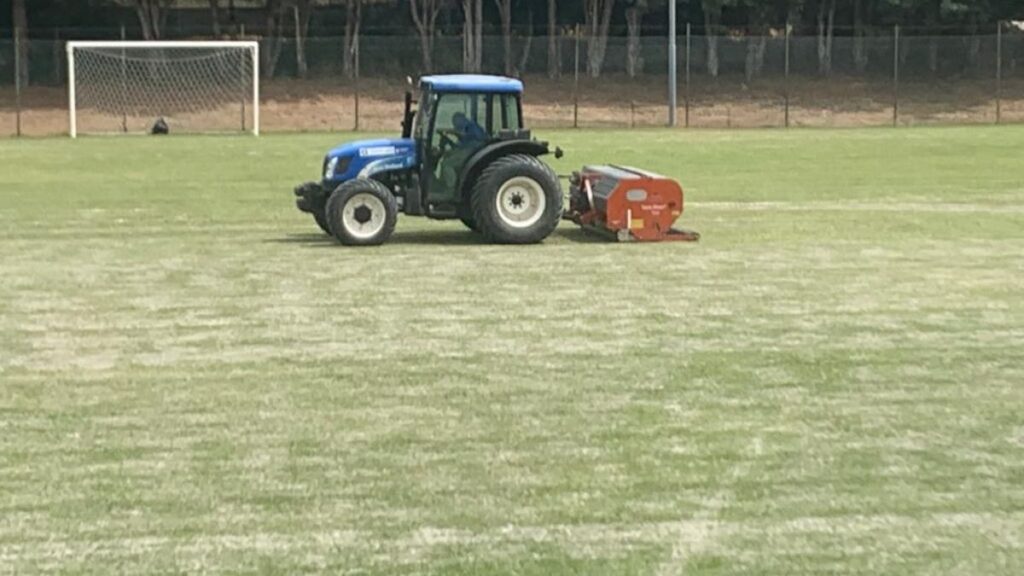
(458, 116)
(463, 154)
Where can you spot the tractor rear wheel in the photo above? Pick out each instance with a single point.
(516, 200)
(361, 212)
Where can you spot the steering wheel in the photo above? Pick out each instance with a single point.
(449, 139)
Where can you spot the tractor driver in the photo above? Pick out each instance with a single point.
(471, 136)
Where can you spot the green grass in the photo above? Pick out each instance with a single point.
(192, 379)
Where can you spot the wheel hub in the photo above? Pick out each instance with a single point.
(363, 214)
(521, 202)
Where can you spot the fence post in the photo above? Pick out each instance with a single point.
(576, 83)
(687, 97)
(785, 85)
(999, 71)
(244, 84)
(17, 82)
(124, 84)
(896, 77)
(672, 80)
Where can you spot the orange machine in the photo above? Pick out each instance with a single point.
(627, 203)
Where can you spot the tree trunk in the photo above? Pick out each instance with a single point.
(712, 15)
(472, 35)
(424, 16)
(301, 11)
(757, 42)
(479, 36)
(756, 46)
(505, 16)
(597, 19)
(826, 22)
(528, 43)
(275, 30)
(152, 16)
(353, 20)
(21, 33)
(634, 61)
(973, 44)
(554, 63)
(931, 21)
(860, 55)
(215, 17)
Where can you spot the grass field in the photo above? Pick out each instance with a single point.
(831, 382)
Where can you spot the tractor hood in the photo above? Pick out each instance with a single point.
(364, 158)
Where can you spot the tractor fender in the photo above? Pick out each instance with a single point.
(484, 156)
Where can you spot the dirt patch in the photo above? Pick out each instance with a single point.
(302, 106)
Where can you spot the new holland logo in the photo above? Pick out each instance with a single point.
(377, 151)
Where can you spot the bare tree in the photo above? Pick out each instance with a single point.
(353, 20)
(826, 27)
(424, 16)
(860, 54)
(596, 19)
(525, 56)
(505, 16)
(152, 17)
(274, 14)
(21, 32)
(759, 15)
(215, 16)
(302, 12)
(634, 15)
(472, 35)
(554, 64)
(712, 17)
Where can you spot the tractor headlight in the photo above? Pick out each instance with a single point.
(332, 163)
(336, 166)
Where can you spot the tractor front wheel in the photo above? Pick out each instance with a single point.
(321, 219)
(361, 212)
(516, 200)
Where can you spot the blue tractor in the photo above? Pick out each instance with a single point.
(464, 154)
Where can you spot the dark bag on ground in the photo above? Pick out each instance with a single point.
(160, 127)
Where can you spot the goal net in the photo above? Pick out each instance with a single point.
(195, 87)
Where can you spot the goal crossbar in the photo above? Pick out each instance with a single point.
(73, 46)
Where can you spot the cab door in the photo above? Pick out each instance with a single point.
(460, 124)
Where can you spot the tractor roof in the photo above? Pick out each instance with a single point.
(472, 83)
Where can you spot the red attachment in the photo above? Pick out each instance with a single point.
(632, 204)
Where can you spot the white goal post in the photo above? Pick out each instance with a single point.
(193, 86)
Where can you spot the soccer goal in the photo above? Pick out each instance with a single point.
(195, 87)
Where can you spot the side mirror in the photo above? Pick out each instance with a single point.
(558, 153)
(408, 80)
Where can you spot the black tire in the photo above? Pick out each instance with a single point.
(538, 181)
(466, 217)
(321, 220)
(349, 230)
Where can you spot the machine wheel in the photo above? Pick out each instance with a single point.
(465, 213)
(517, 200)
(321, 220)
(361, 212)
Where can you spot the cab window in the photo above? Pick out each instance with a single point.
(461, 116)
(508, 112)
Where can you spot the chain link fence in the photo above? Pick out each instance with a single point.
(884, 77)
